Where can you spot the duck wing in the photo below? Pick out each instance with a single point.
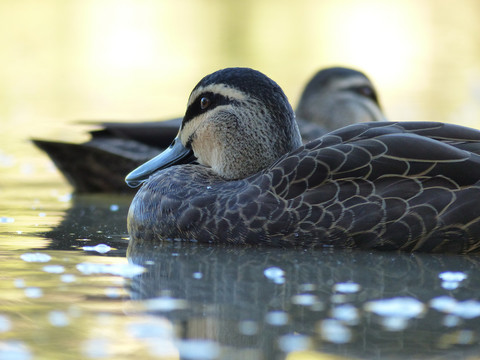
(407, 186)
(158, 134)
(89, 168)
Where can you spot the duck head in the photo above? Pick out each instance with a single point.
(337, 97)
(238, 121)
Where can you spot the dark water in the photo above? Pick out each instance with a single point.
(184, 300)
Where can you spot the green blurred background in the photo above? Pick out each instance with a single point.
(67, 60)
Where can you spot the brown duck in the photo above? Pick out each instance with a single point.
(333, 98)
(411, 186)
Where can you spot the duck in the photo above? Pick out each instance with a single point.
(399, 186)
(333, 97)
(336, 97)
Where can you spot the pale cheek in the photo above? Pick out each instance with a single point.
(204, 147)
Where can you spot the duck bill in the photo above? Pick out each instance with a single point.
(175, 154)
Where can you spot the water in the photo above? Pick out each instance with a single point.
(71, 281)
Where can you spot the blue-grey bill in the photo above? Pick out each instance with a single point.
(176, 153)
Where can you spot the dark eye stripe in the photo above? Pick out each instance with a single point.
(366, 91)
(195, 108)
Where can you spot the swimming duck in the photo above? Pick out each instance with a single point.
(411, 186)
(334, 97)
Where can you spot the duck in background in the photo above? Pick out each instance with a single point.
(411, 186)
(333, 98)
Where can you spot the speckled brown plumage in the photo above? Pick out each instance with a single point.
(410, 186)
(377, 186)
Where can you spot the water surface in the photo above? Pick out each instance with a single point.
(70, 281)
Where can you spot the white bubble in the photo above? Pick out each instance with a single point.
(19, 283)
(165, 303)
(275, 274)
(58, 318)
(294, 342)
(304, 299)
(33, 292)
(334, 331)
(14, 350)
(5, 324)
(125, 270)
(112, 292)
(100, 248)
(348, 287)
(198, 349)
(277, 318)
(35, 257)
(467, 309)
(96, 348)
(395, 323)
(54, 269)
(450, 285)
(346, 312)
(452, 276)
(400, 307)
(67, 278)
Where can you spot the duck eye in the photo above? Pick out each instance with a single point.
(365, 91)
(204, 103)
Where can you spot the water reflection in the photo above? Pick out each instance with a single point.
(92, 220)
(359, 304)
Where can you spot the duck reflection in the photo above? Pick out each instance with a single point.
(264, 298)
(91, 220)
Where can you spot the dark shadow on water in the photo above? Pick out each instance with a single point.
(92, 220)
(226, 286)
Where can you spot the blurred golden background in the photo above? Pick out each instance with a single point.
(65, 60)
